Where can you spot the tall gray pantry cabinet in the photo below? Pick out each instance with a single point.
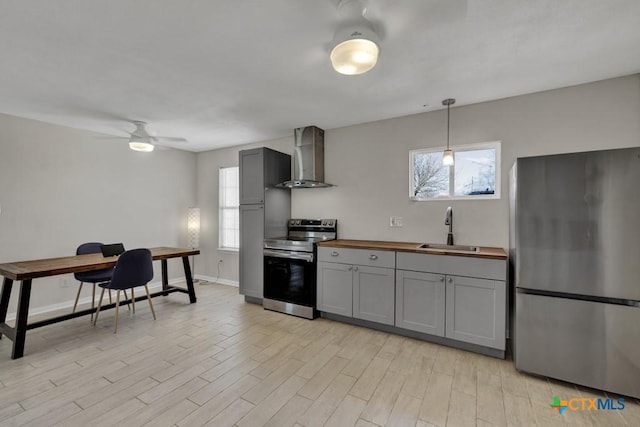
(264, 211)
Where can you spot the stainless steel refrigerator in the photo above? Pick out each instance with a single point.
(575, 257)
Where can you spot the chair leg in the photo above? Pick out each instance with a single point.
(126, 297)
(133, 301)
(150, 304)
(110, 302)
(75, 304)
(117, 307)
(99, 305)
(93, 299)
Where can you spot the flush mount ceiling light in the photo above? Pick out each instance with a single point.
(447, 156)
(355, 45)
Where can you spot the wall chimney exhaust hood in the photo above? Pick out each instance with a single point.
(308, 159)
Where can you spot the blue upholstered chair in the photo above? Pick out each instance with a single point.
(134, 268)
(95, 276)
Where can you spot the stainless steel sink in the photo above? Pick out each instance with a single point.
(450, 248)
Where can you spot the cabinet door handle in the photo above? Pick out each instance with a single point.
(450, 280)
(334, 253)
(442, 278)
(373, 257)
(355, 268)
(350, 268)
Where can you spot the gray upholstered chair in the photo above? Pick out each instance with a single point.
(95, 276)
(134, 268)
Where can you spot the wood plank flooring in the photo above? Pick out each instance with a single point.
(224, 362)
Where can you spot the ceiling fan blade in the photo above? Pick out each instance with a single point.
(168, 139)
(125, 138)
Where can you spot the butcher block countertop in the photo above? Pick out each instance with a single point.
(484, 252)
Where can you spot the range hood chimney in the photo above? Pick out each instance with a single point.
(308, 159)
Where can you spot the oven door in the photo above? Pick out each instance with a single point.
(290, 277)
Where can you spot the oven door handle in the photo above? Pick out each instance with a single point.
(304, 256)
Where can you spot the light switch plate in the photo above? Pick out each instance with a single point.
(395, 221)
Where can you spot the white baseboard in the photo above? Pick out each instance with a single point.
(154, 286)
(220, 281)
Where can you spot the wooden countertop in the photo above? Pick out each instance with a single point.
(77, 263)
(485, 251)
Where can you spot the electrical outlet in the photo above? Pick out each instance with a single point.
(395, 221)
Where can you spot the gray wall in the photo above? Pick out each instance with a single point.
(54, 194)
(369, 163)
(60, 187)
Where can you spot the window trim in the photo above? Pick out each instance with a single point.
(221, 208)
(458, 148)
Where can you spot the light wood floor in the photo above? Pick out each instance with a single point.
(225, 362)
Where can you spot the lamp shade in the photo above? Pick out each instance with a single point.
(355, 50)
(193, 227)
(141, 146)
(447, 158)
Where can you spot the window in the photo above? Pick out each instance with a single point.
(229, 218)
(474, 175)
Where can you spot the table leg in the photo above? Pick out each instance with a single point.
(165, 276)
(21, 321)
(187, 275)
(4, 299)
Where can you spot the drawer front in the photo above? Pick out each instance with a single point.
(371, 258)
(450, 264)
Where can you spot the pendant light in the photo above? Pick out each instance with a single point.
(447, 156)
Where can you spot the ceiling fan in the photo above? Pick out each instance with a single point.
(141, 140)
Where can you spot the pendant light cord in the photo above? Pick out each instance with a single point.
(448, 125)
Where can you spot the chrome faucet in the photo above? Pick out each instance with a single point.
(449, 221)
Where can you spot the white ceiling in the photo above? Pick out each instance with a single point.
(222, 73)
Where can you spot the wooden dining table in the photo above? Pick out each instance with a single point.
(26, 271)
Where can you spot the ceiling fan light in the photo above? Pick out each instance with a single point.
(141, 146)
(355, 51)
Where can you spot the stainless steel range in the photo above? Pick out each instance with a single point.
(290, 266)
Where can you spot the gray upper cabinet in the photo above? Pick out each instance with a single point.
(261, 168)
(476, 311)
(251, 247)
(420, 302)
(252, 176)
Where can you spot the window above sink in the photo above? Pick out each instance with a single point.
(475, 173)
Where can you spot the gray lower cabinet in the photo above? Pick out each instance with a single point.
(252, 259)
(432, 294)
(335, 288)
(462, 298)
(476, 311)
(420, 302)
(373, 294)
(358, 283)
